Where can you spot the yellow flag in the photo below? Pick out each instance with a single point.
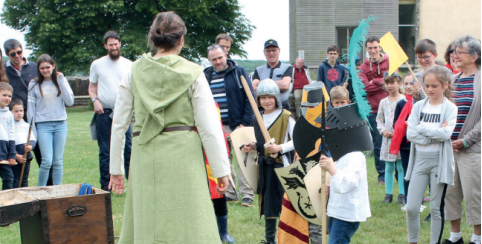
(395, 53)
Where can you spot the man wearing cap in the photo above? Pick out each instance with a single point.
(275, 70)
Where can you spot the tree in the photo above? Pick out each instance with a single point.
(71, 31)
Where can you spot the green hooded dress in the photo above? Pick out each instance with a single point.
(168, 198)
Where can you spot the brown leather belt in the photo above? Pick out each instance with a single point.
(169, 129)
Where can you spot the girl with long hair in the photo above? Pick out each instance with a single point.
(47, 96)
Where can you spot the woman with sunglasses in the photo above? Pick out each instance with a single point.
(450, 58)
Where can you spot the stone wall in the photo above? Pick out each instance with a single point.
(79, 84)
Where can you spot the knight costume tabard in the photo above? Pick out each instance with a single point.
(167, 195)
(269, 187)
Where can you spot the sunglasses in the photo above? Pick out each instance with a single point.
(214, 46)
(451, 50)
(13, 54)
(394, 74)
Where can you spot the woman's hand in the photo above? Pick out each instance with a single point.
(223, 184)
(274, 148)
(116, 184)
(458, 145)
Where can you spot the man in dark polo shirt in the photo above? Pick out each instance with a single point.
(275, 70)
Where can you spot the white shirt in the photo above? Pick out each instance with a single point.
(287, 146)
(21, 132)
(349, 189)
(430, 117)
(108, 74)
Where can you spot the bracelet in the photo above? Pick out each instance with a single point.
(465, 143)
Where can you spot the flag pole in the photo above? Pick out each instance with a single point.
(421, 84)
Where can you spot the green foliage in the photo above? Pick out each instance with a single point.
(72, 31)
(250, 65)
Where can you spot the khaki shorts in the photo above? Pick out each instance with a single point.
(466, 185)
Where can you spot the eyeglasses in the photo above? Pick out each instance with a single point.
(271, 50)
(332, 53)
(394, 74)
(13, 54)
(426, 57)
(451, 50)
(457, 53)
(214, 46)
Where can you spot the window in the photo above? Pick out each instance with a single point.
(343, 35)
(406, 28)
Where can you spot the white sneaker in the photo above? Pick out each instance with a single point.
(422, 208)
(404, 208)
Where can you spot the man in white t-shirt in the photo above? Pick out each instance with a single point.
(105, 76)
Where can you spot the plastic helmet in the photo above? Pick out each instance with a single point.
(268, 87)
(312, 97)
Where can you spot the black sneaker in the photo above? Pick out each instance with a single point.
(228, 199)
(388, 198)
(247, 202)
(460, 241)
(401, 199)
(428, 218)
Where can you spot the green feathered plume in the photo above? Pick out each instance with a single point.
(357, 41)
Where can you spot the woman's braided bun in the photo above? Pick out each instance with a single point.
(166, 30)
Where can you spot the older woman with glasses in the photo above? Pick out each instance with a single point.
(466, 142)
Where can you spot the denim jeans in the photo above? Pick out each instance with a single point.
(103, 123)
(51, 136)
(341, 231)
(17, 170)
(377, 145)
(6, 173)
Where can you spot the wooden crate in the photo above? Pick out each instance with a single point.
(15, 206)
(65, 217)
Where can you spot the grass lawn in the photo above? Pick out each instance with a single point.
(387, 224)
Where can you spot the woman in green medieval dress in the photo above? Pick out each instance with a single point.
(168, 198)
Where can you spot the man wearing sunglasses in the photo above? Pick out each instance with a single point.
(426, 51)
(19, 70)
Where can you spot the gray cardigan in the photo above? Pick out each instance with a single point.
(422, 135)
(470, 131)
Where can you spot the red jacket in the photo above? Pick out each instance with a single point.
(400, 128)
(374, 72)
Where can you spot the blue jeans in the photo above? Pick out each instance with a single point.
(341, 231)
(51, 136)
(377, 145)
(103, 123)
(6, 173)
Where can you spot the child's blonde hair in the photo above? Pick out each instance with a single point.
(391, 79)
(443, 75)
(339, 92)
(6, 86)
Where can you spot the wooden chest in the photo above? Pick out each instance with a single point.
(65, 217)
(15, 206)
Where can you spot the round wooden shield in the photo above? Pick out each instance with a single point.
(247, 162)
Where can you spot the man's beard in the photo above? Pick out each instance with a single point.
(114, 57)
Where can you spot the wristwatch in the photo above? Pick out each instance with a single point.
(94, 99)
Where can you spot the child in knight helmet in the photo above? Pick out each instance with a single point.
(430, 127)
(21, 136)
(279, 123)
(7, 137)
(348, 186)
(386, 113)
